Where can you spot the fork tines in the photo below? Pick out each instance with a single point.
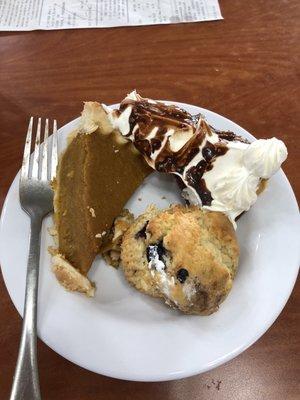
(44, 160)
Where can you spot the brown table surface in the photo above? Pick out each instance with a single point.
(244, 68)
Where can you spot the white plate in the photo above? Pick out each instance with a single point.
(124, 334)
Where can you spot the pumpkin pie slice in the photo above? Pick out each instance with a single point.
(97, 174)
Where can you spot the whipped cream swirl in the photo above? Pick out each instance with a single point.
(264, 157)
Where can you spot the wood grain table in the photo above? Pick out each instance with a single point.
(245, 68)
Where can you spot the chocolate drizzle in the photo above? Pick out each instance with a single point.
(211, 151)
(230, 136)
(194, 175)
(150, 115)
(153, 115)
(170, 161)
(194, 179)
(146, 116)
(144, 147)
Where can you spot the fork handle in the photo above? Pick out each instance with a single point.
(26, 380)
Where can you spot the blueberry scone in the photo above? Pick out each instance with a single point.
(185, 255)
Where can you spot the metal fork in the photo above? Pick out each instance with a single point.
(36, 198)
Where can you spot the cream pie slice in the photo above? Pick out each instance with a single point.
(219, 171)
